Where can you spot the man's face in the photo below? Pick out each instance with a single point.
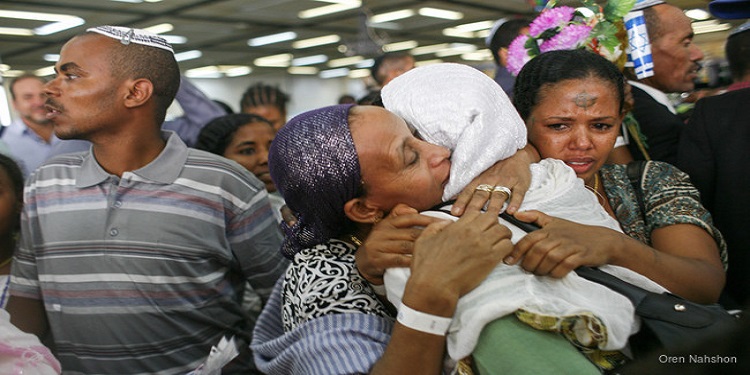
(29, 101)
(83, 97)
(675, 56)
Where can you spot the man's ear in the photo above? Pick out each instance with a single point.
(359, 210)
(502, 53)
(139, 92)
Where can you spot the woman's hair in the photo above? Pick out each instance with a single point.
(557, 66)
(262, 94)
(14, 173)
(218, 134)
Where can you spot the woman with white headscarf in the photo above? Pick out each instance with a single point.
(459, 107)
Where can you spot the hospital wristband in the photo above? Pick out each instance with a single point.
(419, 321)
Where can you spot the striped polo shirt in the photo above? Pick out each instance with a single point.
(143, 273)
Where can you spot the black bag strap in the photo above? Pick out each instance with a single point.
(635, 170)
(634, 293)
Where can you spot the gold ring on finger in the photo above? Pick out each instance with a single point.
(502, 189)
(484, 187)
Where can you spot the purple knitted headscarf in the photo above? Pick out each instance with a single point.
(315, 167)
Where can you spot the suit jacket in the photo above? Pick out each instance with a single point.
(715, 151)
(660, 126)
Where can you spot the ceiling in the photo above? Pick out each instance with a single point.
(220, 29)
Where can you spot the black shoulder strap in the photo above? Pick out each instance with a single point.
(526, 227)
(635, 170)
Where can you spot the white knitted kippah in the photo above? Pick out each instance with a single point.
(643, 4)
(127, 35)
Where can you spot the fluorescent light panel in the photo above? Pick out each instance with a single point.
(400, 46)
(280, 61)
(46, 71)
(440, 13)
(329, 9)
(305, 70)
(359, 73)
(188, 55)
(424, 50)
(310, 60)
(392, 16)
(697, 14)
(336, 63)
(428, 62)
(317, 41)
(59, 22)
(476, 26)
(270, 39)
(333, 73)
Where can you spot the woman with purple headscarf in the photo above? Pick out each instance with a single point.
(340, 168)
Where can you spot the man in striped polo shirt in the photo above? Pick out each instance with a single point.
(134, 254)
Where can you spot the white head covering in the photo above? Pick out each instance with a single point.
(460, 108)
(127, 35)
(643, 4)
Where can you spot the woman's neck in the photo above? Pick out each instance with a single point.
(7, 247)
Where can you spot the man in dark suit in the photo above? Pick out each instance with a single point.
(675, 60)
(715, 151)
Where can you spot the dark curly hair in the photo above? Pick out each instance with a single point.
(218, 133)
(262, 94)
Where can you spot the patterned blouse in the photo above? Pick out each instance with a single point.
(324, 280)
(669, 197)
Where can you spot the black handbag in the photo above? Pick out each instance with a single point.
(668, 321)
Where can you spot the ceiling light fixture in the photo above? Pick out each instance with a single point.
(345, 61)
(456, 33)
(440, 13)
(365, 63)
(339, 6)
(424, 50)
(359, 73)
(400, 46)
(697, 14)
(59, 22)
(309, 60)
(333, 73)
(160, 28)
(279, 61)
(481, 55)
(44, 72)
(305, 70)
(17, 31)
(428, 62)
(317, 41)
(218, 71)
(456, 49)
(188, 55)
(476, 26)
(174, 39)
(392, 16)
(270, 39)
(51, 57)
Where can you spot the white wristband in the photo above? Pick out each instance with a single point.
(419, 321)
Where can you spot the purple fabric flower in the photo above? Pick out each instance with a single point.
(571, 37)
(551, 18)
(518, 56)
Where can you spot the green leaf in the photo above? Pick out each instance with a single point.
(532, 47)
(616, 9)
